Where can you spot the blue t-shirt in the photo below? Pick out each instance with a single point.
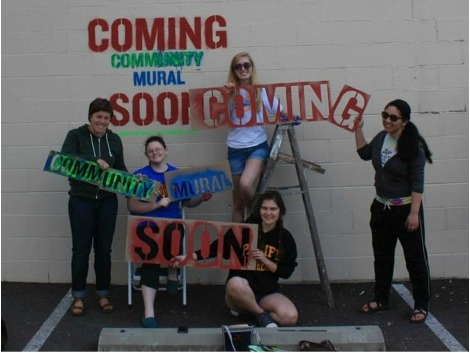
(173, 210)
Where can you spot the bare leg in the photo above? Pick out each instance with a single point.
(237, 207)
(244, 188)
(240, 296)
(281, 309)
(148, 295)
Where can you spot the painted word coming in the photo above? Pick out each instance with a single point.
(159, 240)
(160, 33)
(309, 100)
(112, 180)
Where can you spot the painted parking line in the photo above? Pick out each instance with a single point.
(35, 344)
(440, 331)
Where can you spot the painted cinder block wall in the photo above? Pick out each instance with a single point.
(412, 49)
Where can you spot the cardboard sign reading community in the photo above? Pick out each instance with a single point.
(311, 101)
(158, 240)
(191, 182)
(112, 180)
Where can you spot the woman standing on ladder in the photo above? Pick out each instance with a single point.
(248, 148)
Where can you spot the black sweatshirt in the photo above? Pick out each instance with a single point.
(279, 246)
(397, 178)
(82, 143)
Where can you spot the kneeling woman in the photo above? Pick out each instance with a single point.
(258, 292)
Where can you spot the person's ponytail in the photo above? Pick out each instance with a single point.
(408, 143)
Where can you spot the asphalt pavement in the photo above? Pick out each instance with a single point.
(36, 318)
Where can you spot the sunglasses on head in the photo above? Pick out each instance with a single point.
(245, 66)
(393, 118)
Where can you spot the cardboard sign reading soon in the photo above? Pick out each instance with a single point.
(110, 179)
(311, 101)
(158, 240)
(191, 182)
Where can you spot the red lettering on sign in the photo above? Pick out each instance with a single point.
(158, 240)
(160, 34)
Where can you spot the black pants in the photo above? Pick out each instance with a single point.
(93, 223)
(389, 224)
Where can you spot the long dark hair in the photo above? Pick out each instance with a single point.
(270, 195)
(408, 142)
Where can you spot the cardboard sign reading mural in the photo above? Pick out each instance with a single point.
(112, 180)
(158, 240)
(191, 182)
(311, 101)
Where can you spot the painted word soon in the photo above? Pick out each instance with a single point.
(158, 240)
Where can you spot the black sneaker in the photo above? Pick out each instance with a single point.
(265, 320)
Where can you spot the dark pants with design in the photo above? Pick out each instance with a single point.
(93, 223)
(389, 224)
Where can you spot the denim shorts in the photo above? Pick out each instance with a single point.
(237, 157)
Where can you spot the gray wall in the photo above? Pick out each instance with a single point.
(411, 49)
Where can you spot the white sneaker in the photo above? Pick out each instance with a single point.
(234, 313)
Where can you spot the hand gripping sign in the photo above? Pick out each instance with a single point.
(311, 101)
(182, 184)
(159, 240)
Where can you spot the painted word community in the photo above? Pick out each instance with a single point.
(159, 240)
(110, 179)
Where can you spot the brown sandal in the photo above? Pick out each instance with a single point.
(78, 307)
(105, 305)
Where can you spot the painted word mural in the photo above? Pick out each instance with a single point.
(158, 51)
(158, 240)
(311, 101)
(191, 182)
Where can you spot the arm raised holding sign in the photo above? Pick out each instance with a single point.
(156, 151)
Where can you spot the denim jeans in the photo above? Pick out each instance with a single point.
(93, 223)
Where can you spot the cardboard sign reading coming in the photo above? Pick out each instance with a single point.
(311, 101)
(158, 240)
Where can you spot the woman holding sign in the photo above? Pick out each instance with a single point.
(156, 151)
(258, 292)
(399, 154)
(248, 148)
(92, 211)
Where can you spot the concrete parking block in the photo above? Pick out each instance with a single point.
(345, 338)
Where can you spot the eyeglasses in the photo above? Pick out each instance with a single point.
(245, 66)
(156, 150)
(393, 118)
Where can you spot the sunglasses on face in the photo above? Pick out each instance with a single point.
(246, 66)
(393, 118)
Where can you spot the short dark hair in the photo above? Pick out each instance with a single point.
(154, 139)
(100, 105)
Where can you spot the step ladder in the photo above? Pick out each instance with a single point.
(263, 185)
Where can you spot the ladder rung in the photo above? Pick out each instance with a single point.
(287, 190)
(306, 164)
